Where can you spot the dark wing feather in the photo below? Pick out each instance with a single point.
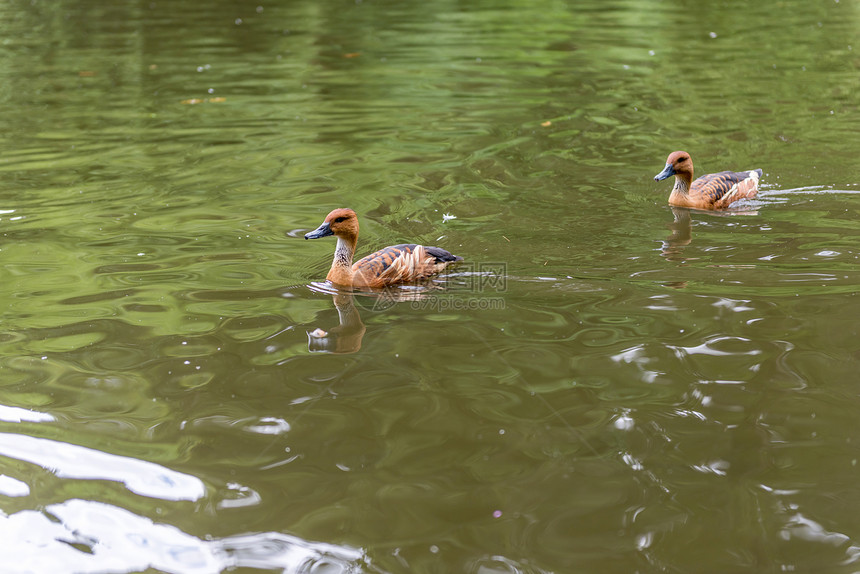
(375, 264)
(401, 263)
(715, 186)
(441, 255)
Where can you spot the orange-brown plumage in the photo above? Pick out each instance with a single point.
(395, 264)
(712, 191)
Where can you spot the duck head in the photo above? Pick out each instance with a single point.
(678, 163)
(341, 222)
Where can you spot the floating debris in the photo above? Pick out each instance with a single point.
(194, 101)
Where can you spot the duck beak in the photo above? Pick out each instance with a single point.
(667, 171)
(323, 230)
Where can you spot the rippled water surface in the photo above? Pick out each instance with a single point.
(605, 385)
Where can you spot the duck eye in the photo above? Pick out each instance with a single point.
(340, 219)
(682, 159)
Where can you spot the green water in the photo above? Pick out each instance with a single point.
(606, 385)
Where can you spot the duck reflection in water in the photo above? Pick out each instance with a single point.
(681, 234)
(682, 230)
(346, 337)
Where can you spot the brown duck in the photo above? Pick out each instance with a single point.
(406, 263)
(712, 191)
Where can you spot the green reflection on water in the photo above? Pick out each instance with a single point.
(659, 389)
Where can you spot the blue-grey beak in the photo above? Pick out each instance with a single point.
(323, 230)
(667, 171)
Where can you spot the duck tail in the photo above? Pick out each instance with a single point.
(441, 255)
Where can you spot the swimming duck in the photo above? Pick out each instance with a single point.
(713, 191)
(395, 264)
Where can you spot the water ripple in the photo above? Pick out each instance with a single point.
(72, 461)
(84, 536)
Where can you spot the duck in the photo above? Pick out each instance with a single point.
(405, 263)
(712, 191)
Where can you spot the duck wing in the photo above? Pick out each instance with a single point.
(400, 264)
(727, 186)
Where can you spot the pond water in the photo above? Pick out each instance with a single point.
(605, 385)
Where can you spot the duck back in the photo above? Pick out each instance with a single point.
(402, 263)
(721, 189)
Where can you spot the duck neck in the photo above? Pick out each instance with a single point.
(341, 267)
(682, 184)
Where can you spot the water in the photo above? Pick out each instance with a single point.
(606, 385)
